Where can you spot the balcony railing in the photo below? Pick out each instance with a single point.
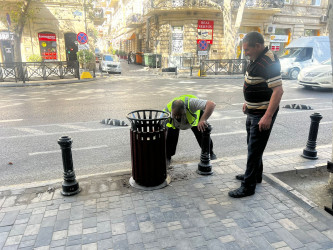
(182, 4)
(133, 20)
(259, 3)
(98, 13)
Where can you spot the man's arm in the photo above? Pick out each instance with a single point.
(210, 106)
(266, 120)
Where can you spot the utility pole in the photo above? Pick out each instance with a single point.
(85, 16)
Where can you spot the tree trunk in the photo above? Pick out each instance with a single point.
(18, 31)
(231, 28)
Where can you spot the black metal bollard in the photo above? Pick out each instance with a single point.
(329, 169)
(70, 186)
(204, 166)
(310, 151)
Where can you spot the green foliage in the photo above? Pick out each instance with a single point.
(85, 56)
(34, 58)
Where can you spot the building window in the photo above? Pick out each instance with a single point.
(310, 32)
(316, 2)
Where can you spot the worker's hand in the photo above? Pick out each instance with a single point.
(265, 123)
(202, 125)
(244, 108)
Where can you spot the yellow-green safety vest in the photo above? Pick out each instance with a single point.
(192, 118)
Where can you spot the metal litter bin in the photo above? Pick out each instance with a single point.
(148, 148)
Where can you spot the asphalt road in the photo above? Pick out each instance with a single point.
(33, 118)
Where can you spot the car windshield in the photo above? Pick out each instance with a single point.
(301, 54)
(108, 58)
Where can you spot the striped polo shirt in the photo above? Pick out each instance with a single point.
(261, 76)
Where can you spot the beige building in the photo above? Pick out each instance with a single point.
(51, 29)
(175, 28)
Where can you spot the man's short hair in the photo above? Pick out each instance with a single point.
(252, 38)
(178, 106)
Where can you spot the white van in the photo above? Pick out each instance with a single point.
(304, 52)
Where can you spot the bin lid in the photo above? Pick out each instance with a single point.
(147, 120)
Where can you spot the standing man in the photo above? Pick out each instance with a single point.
(187, 111)
(262, 92)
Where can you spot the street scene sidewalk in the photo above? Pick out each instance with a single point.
(192, 212)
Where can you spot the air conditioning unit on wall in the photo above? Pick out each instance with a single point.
(270, 29)
(323, 19)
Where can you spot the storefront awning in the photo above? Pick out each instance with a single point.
(131, 36)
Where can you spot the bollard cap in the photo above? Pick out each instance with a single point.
(65, 140)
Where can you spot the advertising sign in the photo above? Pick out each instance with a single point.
(47, 37)
(205, 31)
(278, 38)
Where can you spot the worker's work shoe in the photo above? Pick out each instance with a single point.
(241, 192)
(241, 178)
(213, 156)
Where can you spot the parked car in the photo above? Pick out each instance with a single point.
(110, 64)
(304, 52)
(319, 76)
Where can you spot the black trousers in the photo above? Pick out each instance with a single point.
(256, 144)
(172, 140)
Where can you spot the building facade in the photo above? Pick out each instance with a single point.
(192, 28)
(50, 30)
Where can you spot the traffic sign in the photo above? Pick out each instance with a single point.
(82, 38)
(203, 45)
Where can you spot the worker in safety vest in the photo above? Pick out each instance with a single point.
(187, 111)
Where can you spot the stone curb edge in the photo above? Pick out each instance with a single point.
(116, 173)
(303, 201)
(47, 83)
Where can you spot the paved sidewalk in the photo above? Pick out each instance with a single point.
(193, 212)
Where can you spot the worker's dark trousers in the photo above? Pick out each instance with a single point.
(256, 144)
(172, 140)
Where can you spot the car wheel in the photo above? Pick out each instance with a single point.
(293, 73)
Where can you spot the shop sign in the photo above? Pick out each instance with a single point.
(275, 46)
(5, 35)
(205, 31)
(177, 36)
(47, 37)
(279, 38)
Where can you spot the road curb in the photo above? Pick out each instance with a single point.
(54, 182)
(47, 83)
(292, 193)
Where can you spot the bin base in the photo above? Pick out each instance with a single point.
(133, 183)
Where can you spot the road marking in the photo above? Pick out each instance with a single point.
(11, 105)
(326, 122)
(230, 133)
(31, 131)
(14, 120)
(72, 126)
(74, 149)
(60, 133)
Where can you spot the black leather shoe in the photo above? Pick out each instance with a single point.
(213, 156)
(241, 192)
(241, 178)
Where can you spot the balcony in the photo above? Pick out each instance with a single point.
(154, 7)
(99, 16)
(134, 21)
(261, 10)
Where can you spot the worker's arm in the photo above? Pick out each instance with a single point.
(266, 120)
(210, 106)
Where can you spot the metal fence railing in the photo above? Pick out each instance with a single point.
(30, 71)
(223, 67)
